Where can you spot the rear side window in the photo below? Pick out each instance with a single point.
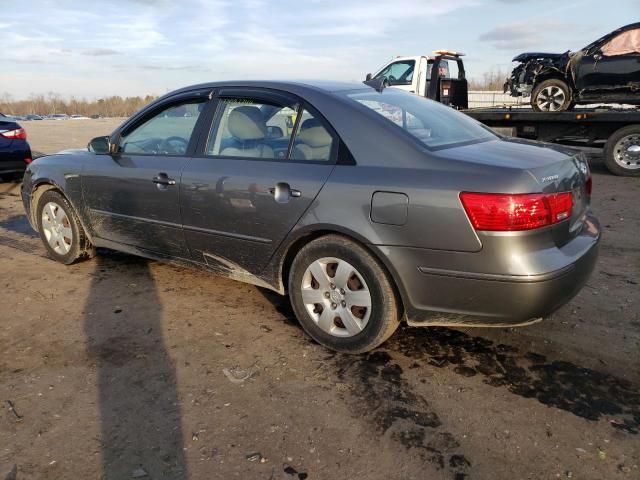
(251, 128)
(166, 133)
(431, 123)
(313, 141)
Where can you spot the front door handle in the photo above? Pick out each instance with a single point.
(162, 180)
(282, 192)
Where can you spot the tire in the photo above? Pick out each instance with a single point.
(622, 152)
(352, 275)
(60, 230)
(552, 95)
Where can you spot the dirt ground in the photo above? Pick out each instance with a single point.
(119, 367)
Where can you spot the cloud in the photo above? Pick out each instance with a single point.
(101, 52)
(520, 35)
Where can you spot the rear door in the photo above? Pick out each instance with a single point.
(133, 196)
(248, 186)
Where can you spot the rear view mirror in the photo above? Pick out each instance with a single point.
(368, 77)
(100, 145)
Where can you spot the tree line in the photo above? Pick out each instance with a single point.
(493, 80)
(117, 106)
(39, 104)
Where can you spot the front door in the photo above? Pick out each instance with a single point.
(133, 196)
(613, 70)
(400, 74)
(253, 180)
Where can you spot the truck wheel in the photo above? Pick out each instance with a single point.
(552, 95)
(622, 152)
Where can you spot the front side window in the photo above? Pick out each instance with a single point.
(166, 133)
(399, 73)
(251, 128)
(431, 123)
(623, 44)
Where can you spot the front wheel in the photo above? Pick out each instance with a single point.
(342, 296)
(622, 152)
(551, 96)
(60, 230)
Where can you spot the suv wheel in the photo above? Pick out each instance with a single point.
(551, 96)
(342, 296)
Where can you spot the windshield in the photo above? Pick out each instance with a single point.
(433, 124)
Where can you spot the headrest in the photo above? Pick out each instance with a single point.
(247, 123)
(312, 133)
(310, 122)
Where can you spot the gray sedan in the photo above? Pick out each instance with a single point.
(367, 207)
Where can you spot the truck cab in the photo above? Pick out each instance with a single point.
(440, 77)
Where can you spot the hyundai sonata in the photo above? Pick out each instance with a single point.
(366, 207)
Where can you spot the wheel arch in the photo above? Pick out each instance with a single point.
(39, 189)
(304, 236)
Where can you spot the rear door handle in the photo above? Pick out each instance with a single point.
(282, 192)
(162, 180)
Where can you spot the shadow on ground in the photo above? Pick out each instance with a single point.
(141, 431)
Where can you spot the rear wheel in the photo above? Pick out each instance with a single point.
(552, 95)
(60, 230)
(622, 152)
(342, 296)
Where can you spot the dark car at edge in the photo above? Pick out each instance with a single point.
(366, 207)
(15, 153)
(607, 71)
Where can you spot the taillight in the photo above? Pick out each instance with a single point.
(17, 134)
(28, 160)
(510, 212)
(588, 186)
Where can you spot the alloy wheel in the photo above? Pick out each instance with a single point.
(551, 99)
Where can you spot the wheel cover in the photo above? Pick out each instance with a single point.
(336, 297)
(551, 99)
(57, 228)
(626, 152)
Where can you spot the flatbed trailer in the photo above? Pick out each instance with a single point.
(616, 131)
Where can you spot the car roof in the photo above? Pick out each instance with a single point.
(327, 86)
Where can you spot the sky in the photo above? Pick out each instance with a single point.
(96, 48)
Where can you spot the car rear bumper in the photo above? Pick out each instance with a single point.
(12, 159)
(444, 296)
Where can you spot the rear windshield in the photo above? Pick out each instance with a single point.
(433, 124)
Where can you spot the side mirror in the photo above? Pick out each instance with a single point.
(368, 77)
(100, 145)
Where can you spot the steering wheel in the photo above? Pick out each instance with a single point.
(391, 78)
(176, 145)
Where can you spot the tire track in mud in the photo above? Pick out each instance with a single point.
(586, 393)
(381, 395)
(16, 233)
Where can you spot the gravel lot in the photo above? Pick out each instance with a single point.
(119, 367)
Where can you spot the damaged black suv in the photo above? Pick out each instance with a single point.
(605, 71)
